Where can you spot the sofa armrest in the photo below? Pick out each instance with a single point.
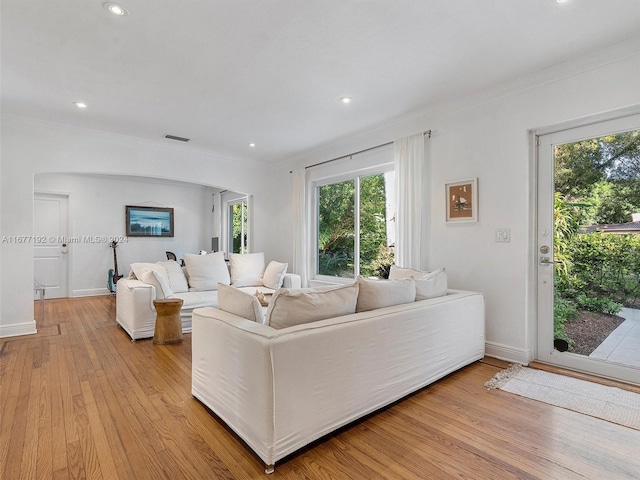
(143, 291)
(292, 280)
(231, 374)
(135, 311)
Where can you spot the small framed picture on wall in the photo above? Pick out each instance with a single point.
(462, 201)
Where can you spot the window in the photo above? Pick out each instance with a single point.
(236, 222)
(355, 226)
(238, 226)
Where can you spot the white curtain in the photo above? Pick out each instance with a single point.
(300, 236)
(410, 197)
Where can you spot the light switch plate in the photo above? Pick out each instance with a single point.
(503, 235)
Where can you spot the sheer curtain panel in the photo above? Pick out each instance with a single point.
(409, 168)
(300, 229)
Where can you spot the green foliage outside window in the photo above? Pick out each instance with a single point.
(337, 230)
(597, 182)
(373, 222)
(602, 176)
(239, 220)
(605, 267)
(336, 233)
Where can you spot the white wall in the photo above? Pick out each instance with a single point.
(490, 138)
(97, 209)
(31, 147)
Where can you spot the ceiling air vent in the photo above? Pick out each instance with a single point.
(173, 137)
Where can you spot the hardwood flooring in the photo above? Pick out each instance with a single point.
(80, 400)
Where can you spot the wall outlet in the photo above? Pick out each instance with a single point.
(503, 235)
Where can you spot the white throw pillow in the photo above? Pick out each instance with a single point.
(240, 303)
(290, 307)
(428, 284)
(177, 280)
(246, 269)
(139, 267)
(274, 275)
(384, 293)
(206, 271)
(165, 289)
(153, 274)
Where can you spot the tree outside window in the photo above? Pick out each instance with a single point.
(238, 220)
(355, 229)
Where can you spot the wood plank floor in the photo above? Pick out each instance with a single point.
(80, 400)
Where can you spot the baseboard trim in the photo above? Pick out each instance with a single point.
(507, 353)
(90, 292)
(18, 329)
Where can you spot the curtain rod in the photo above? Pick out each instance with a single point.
(427, 132)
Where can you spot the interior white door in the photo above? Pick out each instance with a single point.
(50, 251)
(546, 352)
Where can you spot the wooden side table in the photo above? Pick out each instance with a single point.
(168, 327)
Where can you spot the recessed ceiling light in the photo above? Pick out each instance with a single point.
(346, 99)
(252, 144)
(80, 104)
(115, 8)
(562, 1)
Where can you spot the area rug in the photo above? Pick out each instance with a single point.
(600, 401)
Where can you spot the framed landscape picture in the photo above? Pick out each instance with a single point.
(462, 201)
(149, 221)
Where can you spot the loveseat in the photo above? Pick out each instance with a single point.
(196, 284)
(281, 387)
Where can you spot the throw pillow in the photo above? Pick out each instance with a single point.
(153, 274)
(240, 303)
(384, 293)
(246, 269)
(177, 280)
(206, 271)
(274, 275)
(428, 284)
(290, 307)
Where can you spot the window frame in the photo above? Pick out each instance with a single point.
(314, 190)
(227, 218)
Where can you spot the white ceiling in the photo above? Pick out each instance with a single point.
(228, 72)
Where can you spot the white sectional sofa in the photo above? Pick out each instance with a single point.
(196, 284)
(282, 388)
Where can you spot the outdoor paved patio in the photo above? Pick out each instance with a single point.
(623, 344)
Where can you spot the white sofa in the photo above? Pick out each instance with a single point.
(280, 390)
(135, 311)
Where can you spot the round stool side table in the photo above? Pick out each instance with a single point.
(168, 327)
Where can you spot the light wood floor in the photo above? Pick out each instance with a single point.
(80, 400)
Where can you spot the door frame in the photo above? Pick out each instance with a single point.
(541, 348)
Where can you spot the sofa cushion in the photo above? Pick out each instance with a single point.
(375, 294)
(240, 303)
(274, 274)
(206, 271)
(246, 269)
(177, 280)
(153, 274)
(290, 307)
(193, 300)
(428, 284)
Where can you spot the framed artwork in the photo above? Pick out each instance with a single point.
(149, 221)
(462, 201)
